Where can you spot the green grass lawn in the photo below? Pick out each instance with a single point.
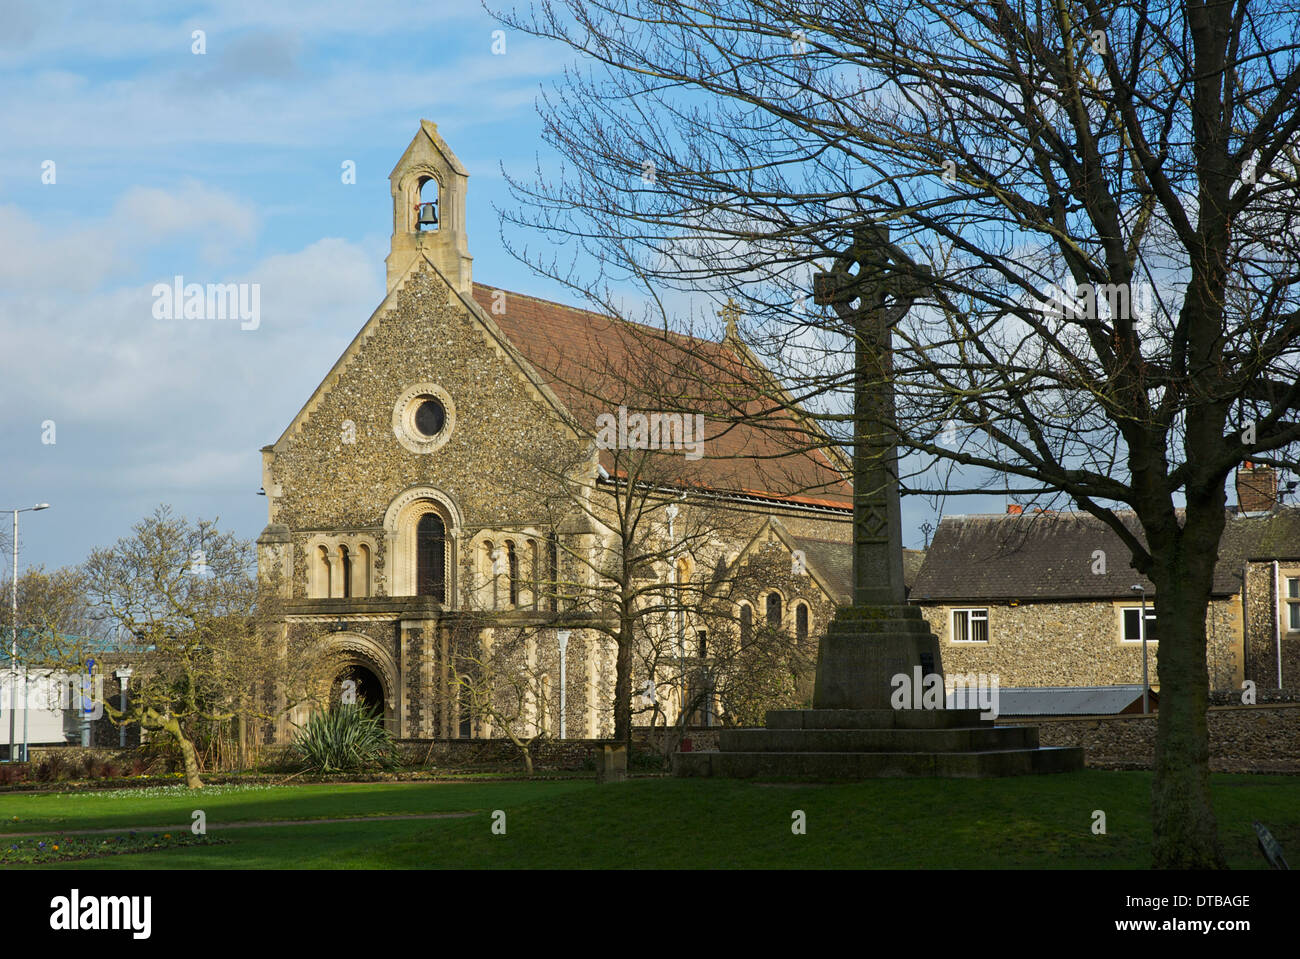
(1037, 822)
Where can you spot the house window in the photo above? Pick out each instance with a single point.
(512, 572)
(491, 567)
(466, 725)
(431, 557)
(1133, 624)
(553, 571)
(322, 572)
(533, 583)
(746, 622)
(347, 571)
(774, 610)
(423, 561)
(970, 625)
(363, 571)
(423, 417)
(430, 416)
(544, 724)
(1293, 604)
(703, 638)
(801, 623)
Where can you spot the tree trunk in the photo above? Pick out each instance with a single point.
(525, 749)
(173, 728)
(1185, 833)
(623, 685)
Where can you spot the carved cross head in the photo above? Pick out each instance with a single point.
(867, 279)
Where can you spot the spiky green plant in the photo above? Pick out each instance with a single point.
(347, 738)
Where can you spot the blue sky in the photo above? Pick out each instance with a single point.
(221, 167)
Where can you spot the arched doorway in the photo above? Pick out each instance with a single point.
(369, 691)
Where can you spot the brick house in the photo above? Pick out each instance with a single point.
(443, 477)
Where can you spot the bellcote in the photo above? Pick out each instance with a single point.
(428, 186)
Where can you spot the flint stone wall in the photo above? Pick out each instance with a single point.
(1075, 644)
(1243, 739)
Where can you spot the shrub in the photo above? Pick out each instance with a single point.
(647, 759)
(347, 738)
(53, 769)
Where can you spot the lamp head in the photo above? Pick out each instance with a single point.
(41, 506)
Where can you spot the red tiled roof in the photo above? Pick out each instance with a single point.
(596, 364)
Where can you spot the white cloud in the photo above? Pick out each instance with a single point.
(39, 257)
(35, 257)
(147, 215)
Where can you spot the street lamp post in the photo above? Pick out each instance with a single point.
(1142, 632)
(671, 513)
(124, 677)
(26, 710)
(13, 646)
(563, 636)
(86, 701)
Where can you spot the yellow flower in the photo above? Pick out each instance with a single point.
(167, 835)
(56, 848)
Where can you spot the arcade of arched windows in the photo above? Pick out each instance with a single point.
(510, 571)
(340, 567)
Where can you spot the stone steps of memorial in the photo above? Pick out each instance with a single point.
(816, 766)
(876, 719)
(878, 740)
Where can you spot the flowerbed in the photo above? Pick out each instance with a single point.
(39, 849)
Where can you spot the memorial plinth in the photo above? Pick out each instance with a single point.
(853, 731)
(821, 744)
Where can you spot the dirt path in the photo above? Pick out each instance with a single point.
(237, 825)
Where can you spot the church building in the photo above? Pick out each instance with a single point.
(462, 476)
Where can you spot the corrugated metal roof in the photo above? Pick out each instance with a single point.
(1064, 700)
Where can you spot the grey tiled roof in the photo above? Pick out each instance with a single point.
(834, 562)
(1052, 555)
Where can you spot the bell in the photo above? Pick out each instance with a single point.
(428, 214)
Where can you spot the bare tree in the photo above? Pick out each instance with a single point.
(53, 613)
(183, 597)
(497, 678)
(625, 544)
(655, 491)
(733, 670)
(1106, 196)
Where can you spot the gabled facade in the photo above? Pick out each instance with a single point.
(444, 478)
